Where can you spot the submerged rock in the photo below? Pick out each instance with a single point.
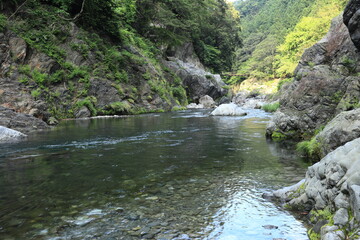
(230, 109)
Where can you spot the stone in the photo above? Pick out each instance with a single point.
(341, 217)
(8, 135)
(20, 122)
(352, 20)
(207, 102)
(194, 106)
(197, 81)
(83, 112)
(344, 128)
(230, 109)
(355, 200)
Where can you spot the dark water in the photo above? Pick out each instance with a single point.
(178, 175)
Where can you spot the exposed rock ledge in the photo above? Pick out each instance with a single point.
(21, 122)
(332, 184)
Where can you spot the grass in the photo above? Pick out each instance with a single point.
(271, 107)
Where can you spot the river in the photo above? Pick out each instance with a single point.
(181, 175)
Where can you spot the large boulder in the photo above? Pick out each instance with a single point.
(207, 102)
(197, 81)
(325, 84)
(9, 135)
(20, 122)
(344, 128)
(230, 109)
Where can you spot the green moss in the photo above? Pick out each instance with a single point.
(278, 135)
(313, 235)
(271, 107)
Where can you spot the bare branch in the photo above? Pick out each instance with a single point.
(16, 11)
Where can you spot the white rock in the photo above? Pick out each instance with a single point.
(230, 109)
(7, 134)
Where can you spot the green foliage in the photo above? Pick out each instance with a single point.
(276, 32)
(283, 81)
(36, 93)
(271, 107)
(3, 22)
(89, 102)
(118, 108)
(309, 149)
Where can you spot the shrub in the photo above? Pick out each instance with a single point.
(310, 149)
(3, 22)
(271, 107)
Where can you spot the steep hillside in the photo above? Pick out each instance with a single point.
(275, 34)
(86, 58)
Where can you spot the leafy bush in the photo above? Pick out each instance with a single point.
(282, 82)
(271, 107)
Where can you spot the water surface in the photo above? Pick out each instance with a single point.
(181, 175)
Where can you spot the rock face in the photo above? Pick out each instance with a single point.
(9, 135)
(344, 128)
(230, 109)
(332, 183)
(352, 20)
(325, 84)
(20, 122)
(197, 80)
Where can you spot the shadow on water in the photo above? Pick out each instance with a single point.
(181, 175)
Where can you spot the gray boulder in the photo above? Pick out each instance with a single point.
(344, 128)
(332, 183)
(198, 82)
(207, 102)
(230, 109)
(20, 122)
(9, 135)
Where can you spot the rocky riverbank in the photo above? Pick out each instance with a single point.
(324, 96)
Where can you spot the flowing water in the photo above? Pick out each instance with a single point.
(181, 175)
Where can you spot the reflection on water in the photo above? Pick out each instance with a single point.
(178, 175)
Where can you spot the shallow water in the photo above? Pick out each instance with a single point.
(181, 175)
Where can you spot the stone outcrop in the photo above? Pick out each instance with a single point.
(230, 109)
(21, 122)
(344, 128)
(326, 84)
(352, 20)
(197, 80)
(9, 135)
(332, 184)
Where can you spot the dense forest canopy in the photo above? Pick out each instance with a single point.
(212, 25)
(276, 32)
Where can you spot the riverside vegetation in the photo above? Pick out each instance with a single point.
(100, 57)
